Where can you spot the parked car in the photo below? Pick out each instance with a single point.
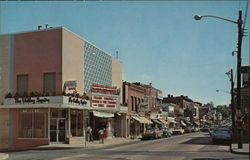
(152, 134)
(188, 129)
(205, 129)
(167, 133)
(178, 131)
(221, 134)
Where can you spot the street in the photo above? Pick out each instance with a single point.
(195, 146)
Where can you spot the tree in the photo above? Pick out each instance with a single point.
(210, 105)
(223, 109)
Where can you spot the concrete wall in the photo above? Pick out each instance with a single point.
(117, 75)
(4, 129)
(73, 60)
(37, 53)
(6, 69)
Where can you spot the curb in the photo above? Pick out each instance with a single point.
(237, 152)
(3, 156)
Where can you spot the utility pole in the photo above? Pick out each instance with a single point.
(240, 35)
(232, 103)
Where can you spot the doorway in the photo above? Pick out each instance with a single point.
(57, 129)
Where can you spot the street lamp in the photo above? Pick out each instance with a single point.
(239, 23)
(222, 91)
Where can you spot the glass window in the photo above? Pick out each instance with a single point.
(49, 83)
(40, 123)
(33, 123)
(22, 84)
(25, 123)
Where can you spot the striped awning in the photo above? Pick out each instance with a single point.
(142, 120)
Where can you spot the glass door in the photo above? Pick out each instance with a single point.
(57, 130)
(61, 130)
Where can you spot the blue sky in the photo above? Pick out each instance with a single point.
(158, 42)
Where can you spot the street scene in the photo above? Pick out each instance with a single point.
(123, 80)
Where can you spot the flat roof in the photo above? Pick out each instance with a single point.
(60, 27)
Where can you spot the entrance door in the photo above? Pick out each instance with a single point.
(57, 130)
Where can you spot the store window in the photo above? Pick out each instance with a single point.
(22, 84)
(25, 123)
(49, 82)
(33, 123)
(40, 123)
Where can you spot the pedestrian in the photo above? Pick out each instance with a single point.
(90, 134)
(101, 135)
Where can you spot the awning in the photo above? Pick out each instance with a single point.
(183, 124)
(188, 123)
(156, 121)
(103, 114)
(146, 121)
(163, 121)
(172, 121)
(196, 123)
(138, 119)
(142, 120)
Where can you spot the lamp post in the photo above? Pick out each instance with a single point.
(240, 35)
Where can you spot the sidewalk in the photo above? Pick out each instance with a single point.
(3, 156)
(88, 145)
(243, 150)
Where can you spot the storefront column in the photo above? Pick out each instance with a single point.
(49, 124)
(69, 124)
(109, 129)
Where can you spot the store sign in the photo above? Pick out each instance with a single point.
(70, 84)
(103, 96)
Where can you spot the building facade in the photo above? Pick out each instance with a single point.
(47, 78)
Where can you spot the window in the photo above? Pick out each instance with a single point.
(25, 123)
(33, 123)
(40, 123)
(49, 83)
(22, 84)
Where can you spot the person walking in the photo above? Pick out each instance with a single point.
(101, 135)
(90, 134)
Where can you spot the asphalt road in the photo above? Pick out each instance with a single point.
(194, 146)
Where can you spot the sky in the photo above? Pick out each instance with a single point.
(158, 42)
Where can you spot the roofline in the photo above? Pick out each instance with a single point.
(60, 27)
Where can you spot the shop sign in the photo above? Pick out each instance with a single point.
(71, 85)
(104, 102)
(111, 90)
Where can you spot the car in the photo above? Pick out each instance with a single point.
(152, 134)
(221, 134)
(178, 131)
(205, 129)
(188, 129)
(167, 133)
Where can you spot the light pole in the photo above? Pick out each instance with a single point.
(240, 35)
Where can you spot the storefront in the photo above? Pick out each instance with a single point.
(102, 120)
(36, 125)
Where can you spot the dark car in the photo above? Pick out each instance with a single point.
(205, 129)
